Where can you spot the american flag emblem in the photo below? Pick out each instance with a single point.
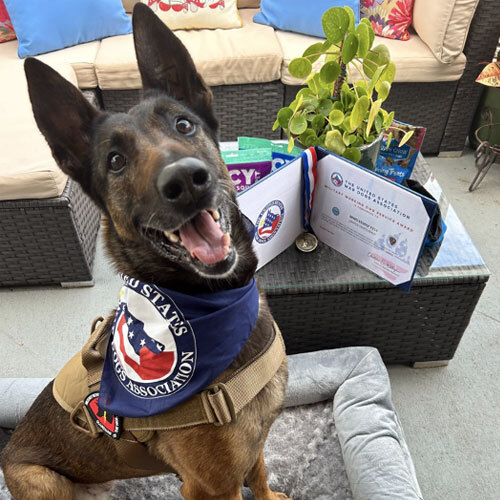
(152, 361)
(269, 221)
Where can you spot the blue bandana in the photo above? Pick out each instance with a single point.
(167, 346)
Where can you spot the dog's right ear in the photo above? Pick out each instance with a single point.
(165, 64)
(64, 117)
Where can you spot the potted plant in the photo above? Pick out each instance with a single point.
(347, 119)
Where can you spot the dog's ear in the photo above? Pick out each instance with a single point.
(64, 117)
(165, 64)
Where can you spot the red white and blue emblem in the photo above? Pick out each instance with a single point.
(269, 221)
(337, 179)
(154, 351)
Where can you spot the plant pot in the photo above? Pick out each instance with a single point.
(369, 152)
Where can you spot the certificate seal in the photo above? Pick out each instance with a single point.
(306, 242)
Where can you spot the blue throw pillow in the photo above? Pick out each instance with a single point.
(299, 16)
(46, 25)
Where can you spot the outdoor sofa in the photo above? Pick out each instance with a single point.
(48, 227)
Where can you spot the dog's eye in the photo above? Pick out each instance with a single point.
(116, 161)
(184, 126)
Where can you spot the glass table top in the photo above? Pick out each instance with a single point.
(454, 260)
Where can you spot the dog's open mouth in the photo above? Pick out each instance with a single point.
(204, 239)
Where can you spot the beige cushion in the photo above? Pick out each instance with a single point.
(414, 60)
(27, 169)
(128, 5)
(248, 4)
(443, 25)
(81, 57)
(250, 54)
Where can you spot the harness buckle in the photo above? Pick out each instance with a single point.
(75, 420)
(218, 405)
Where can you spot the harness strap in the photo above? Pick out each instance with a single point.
(221, 402)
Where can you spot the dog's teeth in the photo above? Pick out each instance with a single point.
(226, 240)
(171, 236)
(215, 214)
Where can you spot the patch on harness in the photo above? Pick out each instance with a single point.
(108, 423)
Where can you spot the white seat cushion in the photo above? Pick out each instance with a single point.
(81, 57)
(250, 54)
(27, 169)
(414, 60)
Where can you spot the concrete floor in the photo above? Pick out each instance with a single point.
(450, 415)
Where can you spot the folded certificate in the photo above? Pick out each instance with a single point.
(377, 223)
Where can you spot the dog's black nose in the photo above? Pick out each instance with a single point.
(184, 181)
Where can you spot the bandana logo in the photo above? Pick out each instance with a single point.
(153, 346)
(269, 221)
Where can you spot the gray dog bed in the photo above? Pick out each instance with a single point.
(339, 437)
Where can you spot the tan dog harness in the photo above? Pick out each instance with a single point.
(218, 404)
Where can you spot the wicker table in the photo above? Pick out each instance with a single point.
(323, 300)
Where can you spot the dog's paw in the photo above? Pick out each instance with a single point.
(93, 491)
(280, 496)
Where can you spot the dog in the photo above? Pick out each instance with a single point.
(153, 172)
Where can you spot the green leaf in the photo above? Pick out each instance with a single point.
(314, 84)
(318, 122)
(305, 93)
(316, 49)
(371, 33)
(406, 138)
(383, 91)
(329, 72)
(375, 78)
(358, 141)
(389, 72)
(377, 123)
(300, 67)
(360, 111)
(276, 124)
(349, 48)
(353, 154)
(362, 32)
(383, 54)
(370, 64)
(298, 124)
(334, 143)
(283, 117)
(388, 140)
(338, 105)
(373, 113)
(336, 117)
(335, 22)
(291, 144)
(325, 106)
(346, 124)
(308, 137)
(348, 139)
(352, 19)
(388, 121)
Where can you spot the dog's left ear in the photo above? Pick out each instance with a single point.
(64, 117)
(165, 64)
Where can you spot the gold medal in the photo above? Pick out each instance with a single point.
(306, 242)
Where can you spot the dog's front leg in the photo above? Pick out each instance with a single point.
(257, 482)
(191, 490)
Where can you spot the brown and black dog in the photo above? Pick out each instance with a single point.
(152, 171)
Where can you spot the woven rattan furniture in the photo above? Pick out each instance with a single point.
(323, 300)
(445, 108)
(48, 241)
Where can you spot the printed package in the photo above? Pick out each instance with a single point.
(247, 167)
(279, 150)
(396, 162)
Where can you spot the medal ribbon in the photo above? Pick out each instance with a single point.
(310, 175)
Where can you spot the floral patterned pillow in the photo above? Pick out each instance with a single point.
(6, 29)
(389, 18)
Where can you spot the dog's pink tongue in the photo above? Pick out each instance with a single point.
(204, 239)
